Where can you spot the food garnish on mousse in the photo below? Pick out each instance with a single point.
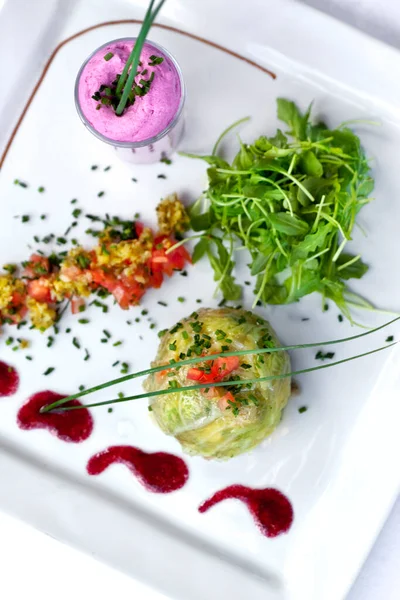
(130, 94)
(128, 260)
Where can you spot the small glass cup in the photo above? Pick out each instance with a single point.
(152, 149)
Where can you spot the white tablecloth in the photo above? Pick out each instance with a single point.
(34, 564)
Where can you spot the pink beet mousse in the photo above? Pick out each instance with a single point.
(150, 114)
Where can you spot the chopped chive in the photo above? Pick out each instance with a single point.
(50, 341)
(81, 388)
(28, 357)
(107, 168)
(181, 299)
(83, 321)
(108, 56)
(302, 409)
(161, 303)
(87, 355)
(25, 218)
(109, 410)
(106, 333)
(74, 201)
(43, 217)
(124, 368)
(390, 338)
(185, 334)
(162, 333)
(324, 355)
(41, 189)
(340, 318)
(166, 160)
(115, 364)
(134, 179)
(117, 343)
(161, 176)
(100, 194)
(76, 212)
(173, 346)
(49, 370)
(76, 343)
(145, 312)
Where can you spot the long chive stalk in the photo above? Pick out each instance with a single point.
(237, 382)
(191, 361)
(134, 57)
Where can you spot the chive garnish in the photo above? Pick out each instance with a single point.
(324, 355)
(239, 382)
(390, 338)
(76, 343)
(108, 56)
(302, 409)
(49, 370)
(41, 189)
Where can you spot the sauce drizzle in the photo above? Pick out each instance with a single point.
(9, 380)
(271, 510)
(70, 426)
(159, 472)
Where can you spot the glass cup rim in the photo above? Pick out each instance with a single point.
(148, 141)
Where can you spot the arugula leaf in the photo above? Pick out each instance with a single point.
(311, 164)
(200, 249)
(355, 270)
(288, 224)
(290, 114)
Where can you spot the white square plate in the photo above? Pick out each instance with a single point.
(338, 462)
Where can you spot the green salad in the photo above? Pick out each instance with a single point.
(291, 200)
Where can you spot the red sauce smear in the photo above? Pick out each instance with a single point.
(271, 510)
(159, 472)
(69, 426)
(9, 380)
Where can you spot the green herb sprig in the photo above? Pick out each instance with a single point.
(124, 90)
(291, 200)
(177, 364)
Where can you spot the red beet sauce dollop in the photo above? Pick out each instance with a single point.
(271, 510)
(69, 426)
(159, 472)
(9, 380)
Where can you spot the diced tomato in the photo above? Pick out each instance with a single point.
(156, 279)
(171, 261)
(225, 400)
(106, 280)
(76, 305)
(179, 257)
(36, 267)
(223, 366)
(71, 273)
(195, 374)
(139, 227)
(39, 291)
(18, 299)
